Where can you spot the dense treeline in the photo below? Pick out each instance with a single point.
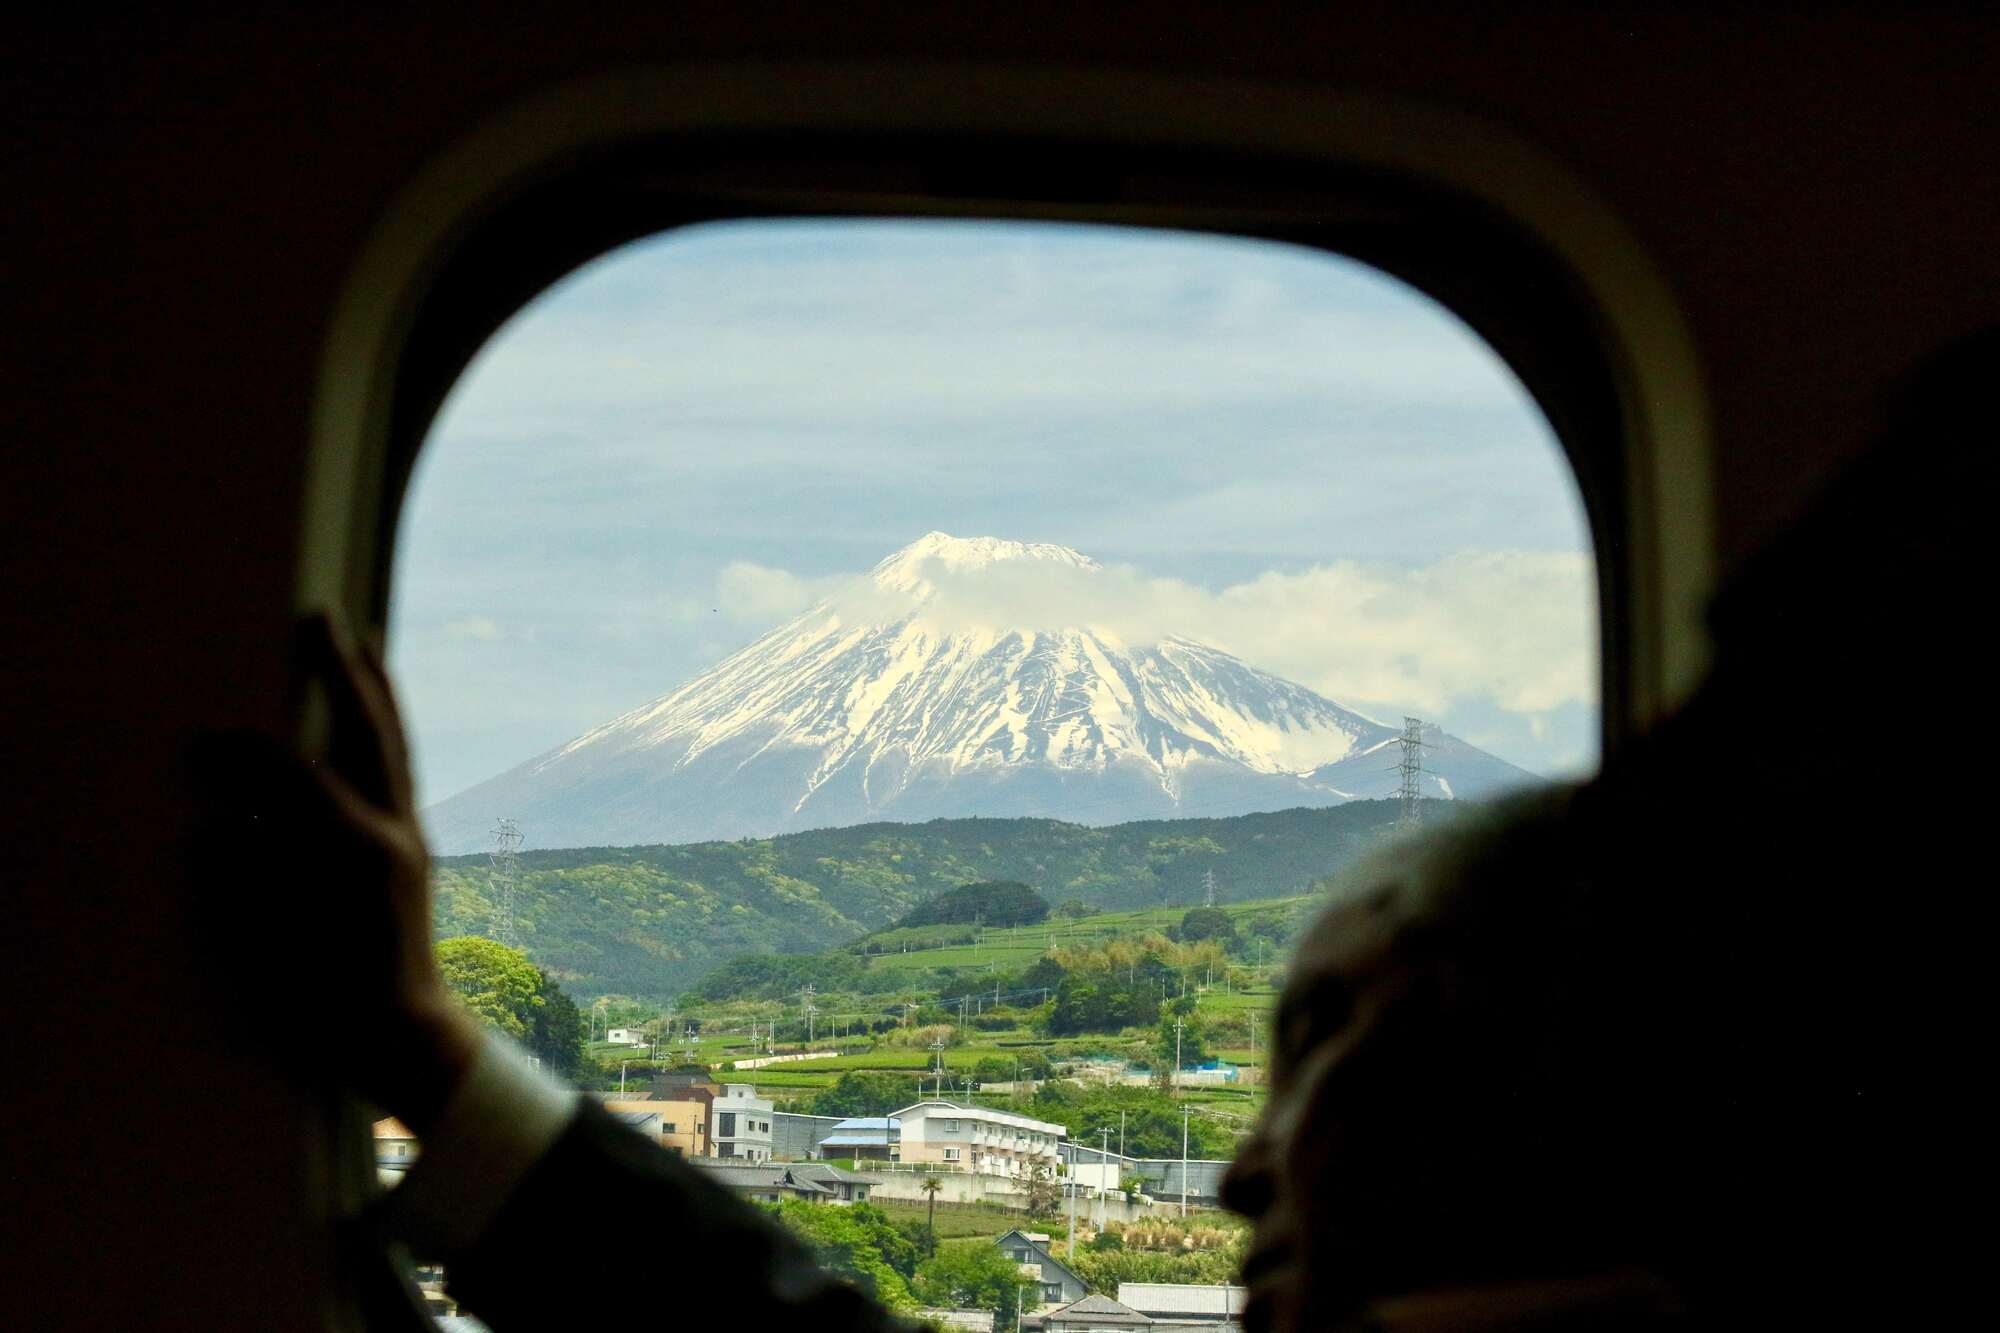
(990, 903)
(769, 976)
(651, 921)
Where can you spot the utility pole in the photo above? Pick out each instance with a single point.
(504, 865)
(1072, 1198)
(1103, 1143)
(1410, 790)
(1259, 1075)
(1184, 1146)
(621, 1076)
(1177, 1056)
(1121, 1137)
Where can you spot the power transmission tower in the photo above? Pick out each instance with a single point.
(505, 865)
(1411, 767)
(1208, 888)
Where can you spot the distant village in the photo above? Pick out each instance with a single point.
(935, 1153)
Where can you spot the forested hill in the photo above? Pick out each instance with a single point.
(649, 921)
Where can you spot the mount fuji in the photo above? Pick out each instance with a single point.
(907, 696)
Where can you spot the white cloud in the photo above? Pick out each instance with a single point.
(745, 590)
(1513, 629)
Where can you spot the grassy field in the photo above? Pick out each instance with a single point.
(1005, 949)
(956, 1223)
(1014, 947)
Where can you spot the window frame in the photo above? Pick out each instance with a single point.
(1497, 232)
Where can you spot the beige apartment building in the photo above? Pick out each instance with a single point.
(679, 1126)
(978, 1139)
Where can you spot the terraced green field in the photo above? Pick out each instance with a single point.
(1015, 947)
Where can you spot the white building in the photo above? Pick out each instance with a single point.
(977, 1139)
(625, 1037)
(740, 1124)
(1198, 1306)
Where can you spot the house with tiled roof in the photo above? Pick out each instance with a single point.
(764, 1182)
(845, 1186)
(1057, 1280)
(1095, 1314)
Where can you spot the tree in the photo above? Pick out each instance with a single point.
(496, 982)
(1207, 923)
(1107, 1003)
(1187, 1043)
(930, 1186)
(1045, 973)
(557, 1032)
(859, 1092)
(1102, 1269)
(1152, 1120)
(992, 902)
(859, 1245)
(976, 1276)
(1044, 1194)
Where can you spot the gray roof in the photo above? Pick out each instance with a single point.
(979, 1320)
(824, 1171)
(1100, 1308)
(756, 1175)
(1183, 1298)
(1042, 1251)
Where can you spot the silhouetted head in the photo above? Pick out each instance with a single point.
(1630, 1048)
(1439, 1091)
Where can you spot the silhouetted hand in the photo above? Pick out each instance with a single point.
(319, 894)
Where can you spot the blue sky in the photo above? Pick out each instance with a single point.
(1293, 455)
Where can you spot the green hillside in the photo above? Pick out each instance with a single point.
(650, 921)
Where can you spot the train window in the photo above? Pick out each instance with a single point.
(858, 665)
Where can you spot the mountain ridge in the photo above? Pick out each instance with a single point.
(961, 677)
(651, 920)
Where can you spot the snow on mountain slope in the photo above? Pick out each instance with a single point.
(903, 699)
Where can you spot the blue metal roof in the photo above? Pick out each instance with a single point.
(869, 1122)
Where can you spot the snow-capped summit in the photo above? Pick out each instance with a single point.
(938, 687)
(942, 552)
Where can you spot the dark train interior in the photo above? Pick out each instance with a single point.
(248, 250)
